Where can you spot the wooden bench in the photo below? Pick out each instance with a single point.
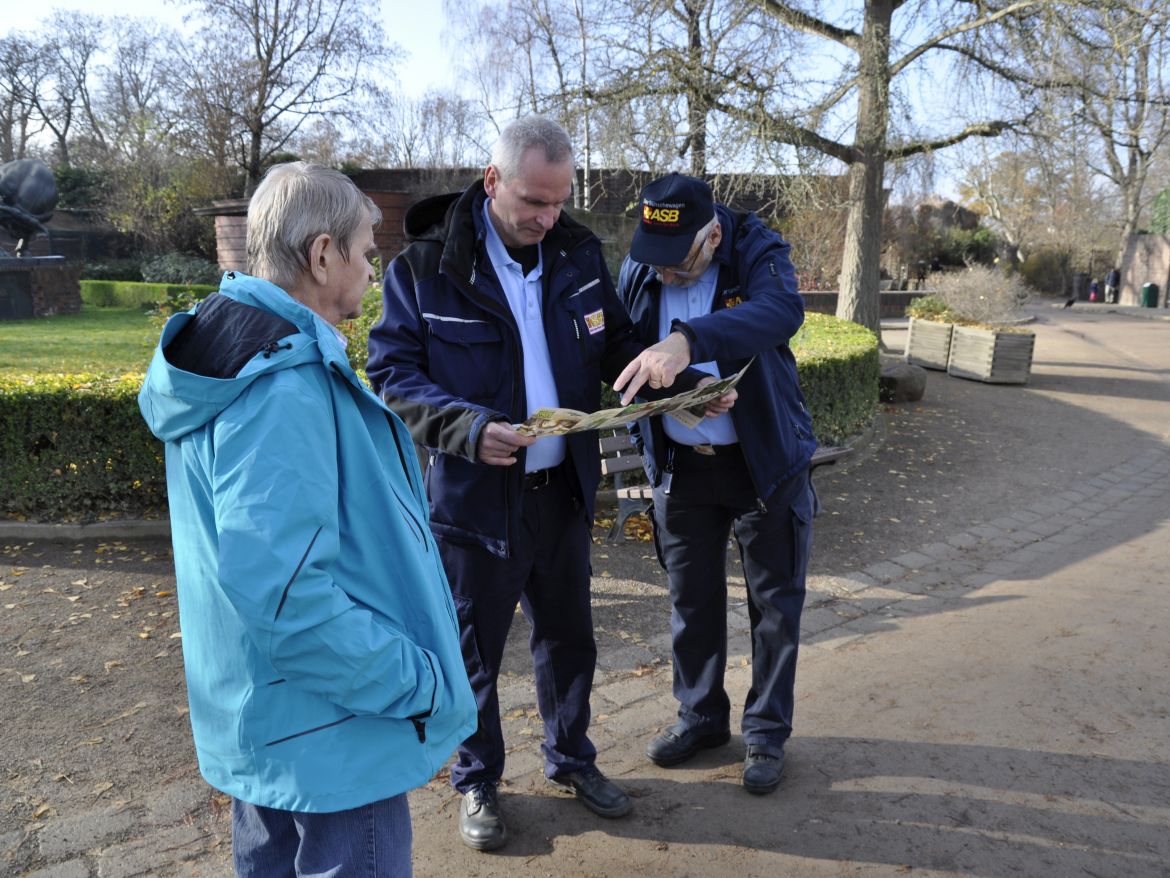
(619, 457)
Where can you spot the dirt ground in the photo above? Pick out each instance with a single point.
(95, 715)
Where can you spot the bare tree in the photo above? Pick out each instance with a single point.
(438, 130)
(71, 44)
(767, 85)
(22, 73)
(892, 39)
(1010, 189)
(137, 100)
(633, 81)
(1042, 194)
(1111, 61)
(285, 63)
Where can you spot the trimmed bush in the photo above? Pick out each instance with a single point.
(178, 268)
(75, 448)
(111, 269)
(839, 371)
(127, 294)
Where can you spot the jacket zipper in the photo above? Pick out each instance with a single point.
(577, 332)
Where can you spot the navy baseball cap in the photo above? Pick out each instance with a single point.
(674, 208)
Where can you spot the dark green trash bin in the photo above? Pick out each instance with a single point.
(1149, 295)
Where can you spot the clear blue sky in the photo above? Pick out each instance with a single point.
(414, 25)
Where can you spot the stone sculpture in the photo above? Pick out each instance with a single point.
(28, 194)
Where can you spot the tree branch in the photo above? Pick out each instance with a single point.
(978, 129)
(802, 21)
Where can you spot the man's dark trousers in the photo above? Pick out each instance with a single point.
(709, 496)
(548, 573)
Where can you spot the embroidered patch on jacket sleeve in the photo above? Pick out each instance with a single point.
(595, 321)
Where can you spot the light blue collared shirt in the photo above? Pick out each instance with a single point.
(685, 304)
(525, 295)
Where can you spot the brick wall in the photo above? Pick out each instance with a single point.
(1147, 260)
(231, 245)
(54, 285)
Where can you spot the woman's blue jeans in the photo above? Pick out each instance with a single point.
(372, 841)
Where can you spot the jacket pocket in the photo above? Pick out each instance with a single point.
(466, 356)
(472, 660)
(412, 522)
(279, 712)
(584, 322)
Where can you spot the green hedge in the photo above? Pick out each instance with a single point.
(839, 371)
(75, 447)
(131, 294)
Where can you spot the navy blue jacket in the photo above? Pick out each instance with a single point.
(755, 312)
(447, 358)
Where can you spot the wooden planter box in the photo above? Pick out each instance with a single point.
(991, 355)
(929, 343)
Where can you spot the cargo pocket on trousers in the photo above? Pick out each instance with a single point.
(802, 511)
(472, 660)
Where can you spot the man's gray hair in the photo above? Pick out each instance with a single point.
(523, 134)
(294, 203)
(701, 235)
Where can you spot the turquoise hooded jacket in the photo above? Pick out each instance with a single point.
(320, 641)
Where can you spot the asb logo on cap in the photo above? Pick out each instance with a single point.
(654, 214)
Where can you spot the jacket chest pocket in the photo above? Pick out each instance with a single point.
(585, 322)
(467, 357)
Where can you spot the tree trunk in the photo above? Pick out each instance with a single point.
(859, 285)
(696, 104)
(253, 170)
(1132, 208)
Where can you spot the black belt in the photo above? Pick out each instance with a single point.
(538, 479)
(707, 450)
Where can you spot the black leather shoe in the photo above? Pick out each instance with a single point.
(596, 792)
(480, 824)
(761, 771)
(679, 743)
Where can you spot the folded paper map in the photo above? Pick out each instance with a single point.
(556, 422)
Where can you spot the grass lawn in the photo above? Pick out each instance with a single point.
(107, 340)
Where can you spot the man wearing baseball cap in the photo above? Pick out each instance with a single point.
(714, 289)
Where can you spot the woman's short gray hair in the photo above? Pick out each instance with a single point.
(523, 134)
(294, 203)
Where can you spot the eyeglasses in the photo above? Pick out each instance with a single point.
(686, 269)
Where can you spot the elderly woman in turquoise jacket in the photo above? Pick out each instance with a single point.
(320, 642)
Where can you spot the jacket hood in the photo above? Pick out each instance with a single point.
(426, 219)
(211, 354)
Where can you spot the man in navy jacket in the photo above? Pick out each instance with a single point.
(716, 289)
(499, 306)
